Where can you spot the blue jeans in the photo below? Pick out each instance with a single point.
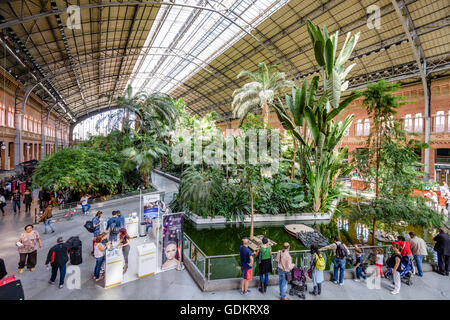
(62, 274)
(16, 204)
(48, 223)
(339, 264)
(98, 266)
(83, 206)
(264, 278)
(359, 273)
(418, 259)
(282, 282)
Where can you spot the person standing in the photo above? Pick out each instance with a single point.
(28, 243)
(265, 266)
(121, 218)
(85, 204)
(246, 265)
(47, 218)
(442, 247)
(99, 254)
(15, 199)
(340, 252)
(317, 265)
(2, 203)
(419, 251)
(285, 266)
(58, 256)
(27, 200)
(124, 243)
(96, 222)
(395, 264)
(358, 265)
(379, 261)
(113, 224)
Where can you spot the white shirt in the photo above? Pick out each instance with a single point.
(379, 259)
(84, 200)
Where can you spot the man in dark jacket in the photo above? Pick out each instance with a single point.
(442, 247)
(58, 256)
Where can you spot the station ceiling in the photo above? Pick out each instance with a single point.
(195, 48)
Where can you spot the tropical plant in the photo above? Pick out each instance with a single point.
(80, 170)
(320, 162)
(145, 150)
(198, 189)
(267, 84)
(391, 160)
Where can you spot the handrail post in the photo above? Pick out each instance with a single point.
(209, 268)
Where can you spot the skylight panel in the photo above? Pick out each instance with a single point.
(197, 36)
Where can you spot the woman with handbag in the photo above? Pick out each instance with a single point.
(28, 243)
(316, 268)
(285, 266)
(264, 254)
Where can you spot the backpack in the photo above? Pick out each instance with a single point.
(89, 225)
(341, 253)
(114, 227)
(390, 262)
(320, 262)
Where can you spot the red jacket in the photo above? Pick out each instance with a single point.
(406, 251)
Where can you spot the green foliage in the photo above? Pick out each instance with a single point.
(279, 195)
(391, 210)
(267, 84)
(304, 109)
(390, 159)
(81, 170)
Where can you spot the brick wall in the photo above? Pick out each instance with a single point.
(440, 133)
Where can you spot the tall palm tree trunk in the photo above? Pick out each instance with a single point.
(265, 112)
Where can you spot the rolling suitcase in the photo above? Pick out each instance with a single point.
(12, 291)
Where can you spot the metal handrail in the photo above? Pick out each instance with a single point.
(207, 259)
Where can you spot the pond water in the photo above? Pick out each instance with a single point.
(226, 239)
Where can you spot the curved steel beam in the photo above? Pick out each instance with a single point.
(411, 33)
(158, 76)
(30, 87)
(140, 3)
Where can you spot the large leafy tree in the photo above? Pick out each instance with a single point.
(267, 84)
(320, 161)
(390, 160)
(81, 170)
(143, 153)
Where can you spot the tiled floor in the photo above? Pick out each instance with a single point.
(170, 284)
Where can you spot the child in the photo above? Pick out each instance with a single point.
(358, 265)
(379, 262)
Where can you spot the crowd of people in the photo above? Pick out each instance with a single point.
(114, 235)
(404, 252)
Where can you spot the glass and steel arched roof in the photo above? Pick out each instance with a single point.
(195, 48)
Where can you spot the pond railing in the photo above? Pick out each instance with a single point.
(227, 266)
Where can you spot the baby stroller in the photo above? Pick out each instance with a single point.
(406, 271)
(298, 283)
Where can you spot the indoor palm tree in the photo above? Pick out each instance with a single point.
(143, 153)
(267, 84)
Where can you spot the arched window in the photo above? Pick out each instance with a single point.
(25, 123)
(11, 117)
(366, 127)
(418, 122)
(359, 128)
(440, 121)
(408, 123)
